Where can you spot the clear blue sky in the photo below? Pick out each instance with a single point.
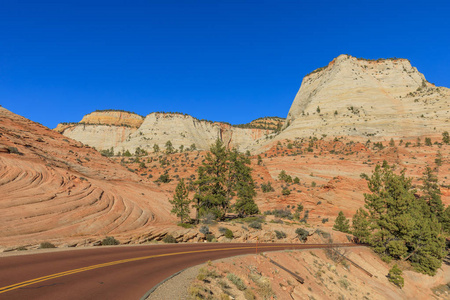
(228, 61)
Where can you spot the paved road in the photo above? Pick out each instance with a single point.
(121, 272)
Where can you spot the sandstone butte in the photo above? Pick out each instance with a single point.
(55, 188)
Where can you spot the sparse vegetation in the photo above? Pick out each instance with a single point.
(110, 241)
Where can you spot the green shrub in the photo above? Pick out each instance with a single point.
(210, 237)
(302, 234)
(109, 240)
(395, 276)
(280, 234)
(169, 239)
(46, 245)
(255, 225)
(229, 234)
(236, 281)
(280, 213)
(204, 230)
(286, 191)
(267, 187)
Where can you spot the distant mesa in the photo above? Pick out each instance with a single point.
(351, 96)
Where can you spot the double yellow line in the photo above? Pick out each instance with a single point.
(74, 271)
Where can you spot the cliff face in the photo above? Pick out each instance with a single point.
(359, 97)
(113, 117)
(158, 128)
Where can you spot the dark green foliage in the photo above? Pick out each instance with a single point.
(108, 152)
(285, 191)
(110, 241)
(180, 202)
(46, 245)
(341, 223)
(445, 137)
(267, 187)
(255, 225)
(318, 110)
(280, 234)
(169, 148)
(126, 153)
(428, 142)
(164, 178)
(169, 239)
(140, 152)
(391, 143)
(280, 213)
(296, 180)
(259, 160)
(156, 148)
(395, 276)
(284, 177)
(360, 225)
(224, 175)
(401, 225)
(229, 234)
(209, 237)
(302, 234)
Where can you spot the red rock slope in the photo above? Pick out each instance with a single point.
(56, 189)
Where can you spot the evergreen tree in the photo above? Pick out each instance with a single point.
(180, 202)
(432, 193)
(244, 185)
(395, 276)
(360, 224)
(169, 148)
(402, 225)
(223, 175)
(155, 148)
(341, 223)
(212, 195)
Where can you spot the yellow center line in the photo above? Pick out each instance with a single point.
(74, 271)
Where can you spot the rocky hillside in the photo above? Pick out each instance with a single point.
(104, 130)
(57, 189)
(368, 98)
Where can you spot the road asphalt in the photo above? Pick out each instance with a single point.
(120, 272)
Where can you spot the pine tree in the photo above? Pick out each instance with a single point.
(155, 148)
(395, 276)
(213, 192)
(402, 226)
(223, 176)
(360, 225)
(244, 185)
(180, 202)
(341, 223)
(432, 193)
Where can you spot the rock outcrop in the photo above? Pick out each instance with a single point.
(157, 128)
(371, 98)
(57, 189)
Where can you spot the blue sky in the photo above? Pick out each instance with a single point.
(228, 61)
